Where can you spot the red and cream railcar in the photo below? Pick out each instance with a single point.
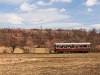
(71, 47)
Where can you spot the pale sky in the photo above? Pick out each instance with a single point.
(65, 14)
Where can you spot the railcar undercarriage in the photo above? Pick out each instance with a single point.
(71, 51)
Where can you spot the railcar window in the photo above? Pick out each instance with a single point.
(62, 46)
(69, 46)
(80, 45)
(76, 46)
(65, 46)
(84, 45)
(57, 46)
(72, 46)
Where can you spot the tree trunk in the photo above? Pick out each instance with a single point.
(13, 50)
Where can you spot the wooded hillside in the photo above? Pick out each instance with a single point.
(45, 38)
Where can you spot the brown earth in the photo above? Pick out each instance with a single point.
(50, 64)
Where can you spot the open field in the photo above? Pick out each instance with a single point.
(50, 64)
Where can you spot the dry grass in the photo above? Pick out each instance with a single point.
(4, 49)
(50, 64)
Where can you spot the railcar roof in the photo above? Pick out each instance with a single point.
(72, 43)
